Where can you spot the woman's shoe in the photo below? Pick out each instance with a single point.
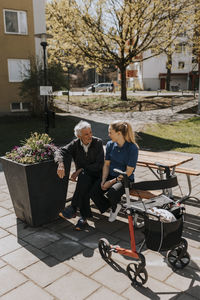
(81, 224)
(68, 213)
(113, 215)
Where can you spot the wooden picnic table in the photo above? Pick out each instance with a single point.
(150, 160)
(171, 160)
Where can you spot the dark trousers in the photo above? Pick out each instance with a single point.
(81, 197)
(106, 199)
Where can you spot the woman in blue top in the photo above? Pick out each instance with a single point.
(121, 153)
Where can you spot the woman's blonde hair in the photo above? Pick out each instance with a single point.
(125, 128)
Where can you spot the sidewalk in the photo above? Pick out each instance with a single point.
(137, 119)
(55, 262)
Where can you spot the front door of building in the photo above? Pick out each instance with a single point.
(162, 83)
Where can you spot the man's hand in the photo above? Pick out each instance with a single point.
(61, 170)
(74, 175)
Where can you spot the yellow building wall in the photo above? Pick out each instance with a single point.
(14, 46)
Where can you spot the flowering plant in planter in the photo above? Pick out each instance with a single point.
(37, 148)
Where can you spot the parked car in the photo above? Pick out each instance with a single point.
(91, 87)
(101, 87)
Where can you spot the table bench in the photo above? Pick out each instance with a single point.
(144, 194)
(179, 170)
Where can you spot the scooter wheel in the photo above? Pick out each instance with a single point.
(104, 249)
(178, 258)
(137, 274)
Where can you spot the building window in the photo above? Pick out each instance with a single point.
(20, 106)
(194, 60)
(18, 69)
(180, 48)
(15, 22)
(181, 65)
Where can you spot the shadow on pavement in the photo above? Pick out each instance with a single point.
(193, 201)
(58, 242)
(192, 227)
(151, 294)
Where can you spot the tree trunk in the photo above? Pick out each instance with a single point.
(169, 66)
(198, 110)
(123, 84)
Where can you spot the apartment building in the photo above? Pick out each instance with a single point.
(151, 74)
(20, 20)
(183, 71)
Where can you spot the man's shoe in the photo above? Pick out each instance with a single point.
(113, 215)
(81, 224)
(68, 213)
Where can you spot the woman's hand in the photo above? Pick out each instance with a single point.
(102, 184)
(106, 185)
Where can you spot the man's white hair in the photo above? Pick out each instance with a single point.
(81, 125)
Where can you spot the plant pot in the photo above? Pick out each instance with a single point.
(37, 193)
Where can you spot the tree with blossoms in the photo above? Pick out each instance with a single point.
(100, 33)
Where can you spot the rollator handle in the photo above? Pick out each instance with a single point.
(120, 172)
(125, 177)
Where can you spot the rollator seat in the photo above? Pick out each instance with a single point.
(159, 201)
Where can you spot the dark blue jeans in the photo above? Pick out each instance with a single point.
(109, 198)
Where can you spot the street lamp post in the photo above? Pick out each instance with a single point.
(68, 86)
(198, 110)
(43, 37)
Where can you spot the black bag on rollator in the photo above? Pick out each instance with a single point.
(160, 236)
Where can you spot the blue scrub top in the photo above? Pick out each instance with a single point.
(121, 157)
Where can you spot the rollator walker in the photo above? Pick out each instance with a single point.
(158, 236)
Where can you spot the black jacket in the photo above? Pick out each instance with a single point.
(92, 161)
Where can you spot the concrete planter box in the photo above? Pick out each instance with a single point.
(37, 193)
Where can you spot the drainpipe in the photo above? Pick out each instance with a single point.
(198, 111)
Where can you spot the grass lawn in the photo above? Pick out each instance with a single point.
(183, 136)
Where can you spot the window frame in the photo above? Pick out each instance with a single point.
(20, 60)
(179, 65)
(18, 21)
(21, 108)
(181, 47)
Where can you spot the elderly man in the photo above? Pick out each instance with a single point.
(88, 155)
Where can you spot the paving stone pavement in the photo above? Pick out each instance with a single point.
(55, 262)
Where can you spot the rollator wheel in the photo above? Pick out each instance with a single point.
(136, 275)
(104, 249)
(179, 258)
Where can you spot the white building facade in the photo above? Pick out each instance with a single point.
(151, 74)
